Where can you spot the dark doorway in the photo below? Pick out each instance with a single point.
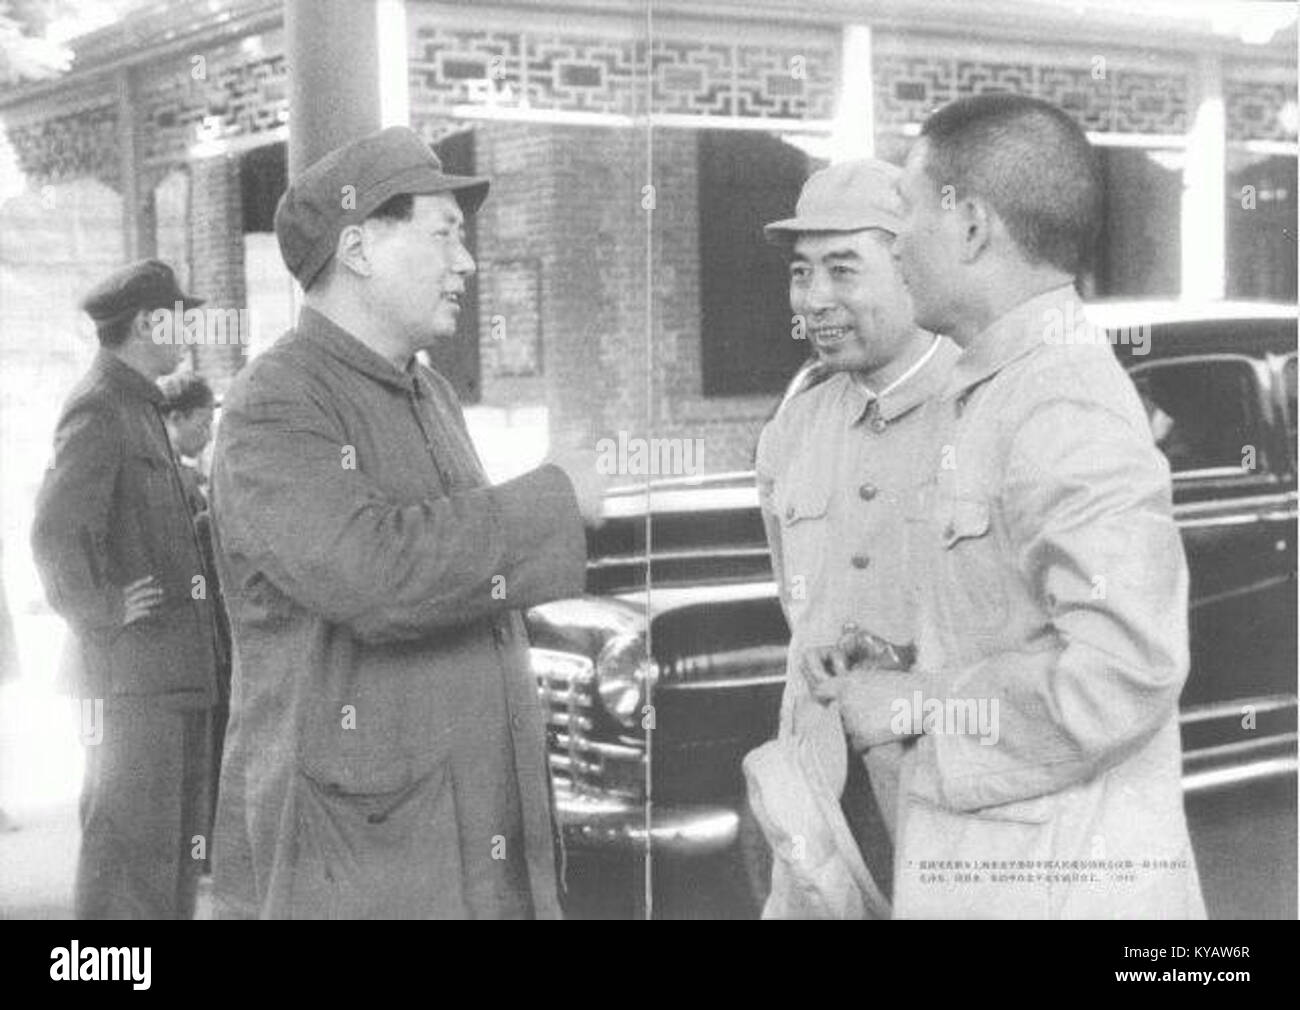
(263, 178)
(1261, 226)
(746, 181)
(1138, 252)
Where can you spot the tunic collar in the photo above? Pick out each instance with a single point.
(126, 379)
(1010, 337)
(342, 345)
(909, 390)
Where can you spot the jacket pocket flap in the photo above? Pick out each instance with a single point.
(374, 774)
(966, 518)
(803, 501)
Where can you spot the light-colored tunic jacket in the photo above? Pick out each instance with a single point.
(1053, 584)
(834, 467)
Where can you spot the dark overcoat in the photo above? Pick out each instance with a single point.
(385, 755)
(110, 511)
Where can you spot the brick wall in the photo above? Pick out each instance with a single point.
(514, 245)
(565, 211)
(172, 222)
(729, 426)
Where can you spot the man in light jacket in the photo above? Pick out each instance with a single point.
(834, 463)
(1043, 775)
(386, 754)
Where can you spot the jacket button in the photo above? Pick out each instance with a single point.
(949, 531)
(878, 424)
(789, 512)
(498, 635)
(516, 722)
(861, 561)
(867, 491)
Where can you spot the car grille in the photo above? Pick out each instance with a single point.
(579, 763)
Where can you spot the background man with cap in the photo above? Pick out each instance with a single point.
(188, 411)
(834, 463)
(385, 756)
(119, 560)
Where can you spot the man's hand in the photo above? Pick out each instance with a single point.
(866, 675)
(821, 666)
(589, 485)
(141, 599)
(856, 650)
(862, 648)
(868, 700)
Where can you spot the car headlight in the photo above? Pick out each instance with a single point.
(562, 669)
(623, 671)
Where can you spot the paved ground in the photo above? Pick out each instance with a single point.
(40, 780)
(40, 776)
(1245, 840)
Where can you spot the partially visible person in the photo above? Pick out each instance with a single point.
(187, 410)
(834, 464)
(8, 664)
(119, 558)
(1042, 711)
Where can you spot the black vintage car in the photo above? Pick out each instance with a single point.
(705, 645)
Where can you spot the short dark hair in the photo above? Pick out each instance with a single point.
(396, 208)
(115, 332)
(1033, 165)
(185, 392)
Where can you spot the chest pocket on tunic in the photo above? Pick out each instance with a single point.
(971, 577)
(803, 507)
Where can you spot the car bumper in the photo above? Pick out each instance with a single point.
(612, 824)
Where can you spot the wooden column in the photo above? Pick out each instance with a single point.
(332, 50)
(140, 233)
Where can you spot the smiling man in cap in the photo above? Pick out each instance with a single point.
(118, 555)
(833, 465)
(386, 751)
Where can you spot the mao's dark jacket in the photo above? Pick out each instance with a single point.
(386, 753)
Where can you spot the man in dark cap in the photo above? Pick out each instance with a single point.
(385, 756)
(119, 560)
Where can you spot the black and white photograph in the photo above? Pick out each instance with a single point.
(648, 460)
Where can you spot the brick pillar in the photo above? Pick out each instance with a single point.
(217, 256)
(593, 308)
